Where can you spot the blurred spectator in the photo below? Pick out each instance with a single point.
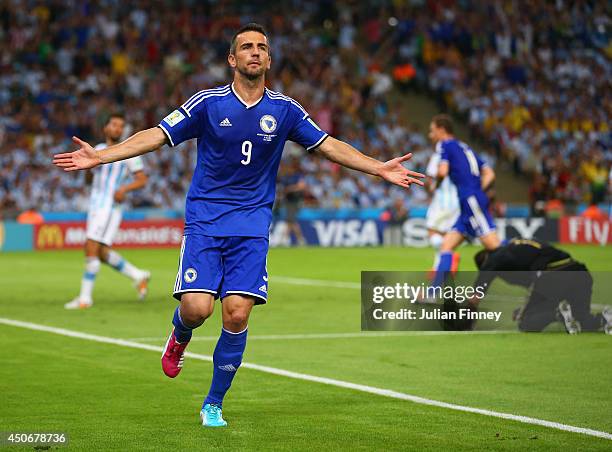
(30, 216)
(594, 213)
(293, 187)
(394, 216)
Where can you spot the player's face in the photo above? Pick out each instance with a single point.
(252, 55)
(114, 129)
(435, 132)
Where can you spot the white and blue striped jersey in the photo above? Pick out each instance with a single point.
(108, 178)
(445, 197)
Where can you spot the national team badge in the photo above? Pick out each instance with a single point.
(268, 123)
(190, 275)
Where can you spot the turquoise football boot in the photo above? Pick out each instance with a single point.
(211, 416)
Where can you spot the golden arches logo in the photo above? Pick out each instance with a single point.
(50, 236)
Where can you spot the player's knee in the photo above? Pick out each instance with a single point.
(93, 249)
(196, 315)
(196, 307)
(237, 319)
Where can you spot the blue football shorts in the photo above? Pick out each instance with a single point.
(475, 219)
(223, 266)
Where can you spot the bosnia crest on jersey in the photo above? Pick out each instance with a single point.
(268, 123)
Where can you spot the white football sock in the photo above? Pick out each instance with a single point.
(92, 267)
(115, 260)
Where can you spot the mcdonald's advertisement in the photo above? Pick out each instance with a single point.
(132, 234)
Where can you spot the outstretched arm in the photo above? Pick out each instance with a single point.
(487, 176)
(442, 173)
(392, 171)
(87, 157)
(140, 180)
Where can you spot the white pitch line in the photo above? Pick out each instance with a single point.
(315, 379)
(315, 282)
(272, 337)
(357, 286)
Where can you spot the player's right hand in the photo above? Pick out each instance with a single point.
(83, 158)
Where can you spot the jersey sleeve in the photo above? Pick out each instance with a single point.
(184, 123)
(304, 130)
(444, 152)
(480, 161)
(135, 164)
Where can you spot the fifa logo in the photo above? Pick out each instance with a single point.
(49, 236)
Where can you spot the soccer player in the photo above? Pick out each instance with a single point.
(472, 177)
(561, 287)
(443, 209)
(109, 187)
(241, 129)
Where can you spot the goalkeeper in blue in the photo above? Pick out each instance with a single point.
(241, 129)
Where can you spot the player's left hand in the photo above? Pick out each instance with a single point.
(83, 158)
(393, 171)
(119, 195)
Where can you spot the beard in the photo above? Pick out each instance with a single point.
(114, 139)
(252, 74)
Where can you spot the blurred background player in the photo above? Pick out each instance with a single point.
(561, 287)
(472, 177)
(443, 210)
(108, 190)
(294, 188)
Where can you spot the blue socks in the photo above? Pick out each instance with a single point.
(226, 361)
(181, 331)
(445, 262)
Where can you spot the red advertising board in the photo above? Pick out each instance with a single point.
(585, 230)
(131, 234)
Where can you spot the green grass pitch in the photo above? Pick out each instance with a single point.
(108, 397)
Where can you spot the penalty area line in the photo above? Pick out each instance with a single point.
(312, 378)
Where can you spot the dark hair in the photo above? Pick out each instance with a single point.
(480, 258)
(444, 122)
(113, 115)
(252, 26)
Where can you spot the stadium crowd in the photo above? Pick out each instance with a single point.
(533, 82)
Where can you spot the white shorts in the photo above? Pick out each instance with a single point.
(441, 220)
(102, 224)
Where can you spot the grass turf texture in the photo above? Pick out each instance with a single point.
(107, 397)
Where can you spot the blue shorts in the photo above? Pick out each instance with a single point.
(475, 219)
(223, 266)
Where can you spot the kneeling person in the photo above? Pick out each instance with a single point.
(555, 293)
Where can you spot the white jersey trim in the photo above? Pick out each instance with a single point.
(167, 134)
(242, 101)
(478, 215)
(202, 98)
(309, 148)
(203, 92)
(275, 95)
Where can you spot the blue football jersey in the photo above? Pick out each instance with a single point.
(464, 166)
(239, 152)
